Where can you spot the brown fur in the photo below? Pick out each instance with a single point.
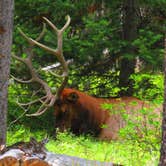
(84, 114)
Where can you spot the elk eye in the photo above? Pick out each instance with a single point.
(73, 97)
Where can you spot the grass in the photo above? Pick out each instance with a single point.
(128, 153)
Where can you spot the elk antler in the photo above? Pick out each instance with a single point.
(49, 99)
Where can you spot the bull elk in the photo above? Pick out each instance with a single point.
(76, 110)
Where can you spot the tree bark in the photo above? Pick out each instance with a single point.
(162, 161)
(6, 26)
(130, 22)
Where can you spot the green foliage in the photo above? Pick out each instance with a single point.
(142, 125)
(149, 87)
(21, 133)
(98, 85)
(131, 150)
(94, 38)
(124, 152)
(147, 50)
(89, 34)
(146, 87)
(17, 115)
(96, 27)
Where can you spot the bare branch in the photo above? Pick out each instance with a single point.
(56, 65)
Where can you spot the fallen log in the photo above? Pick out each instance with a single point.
(34, 153)
(16, 157)
(65, 160)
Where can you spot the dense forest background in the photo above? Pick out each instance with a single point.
(111, 40)
(116, 48)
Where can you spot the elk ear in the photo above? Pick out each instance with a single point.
(73, 97)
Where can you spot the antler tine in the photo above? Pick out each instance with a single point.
(67, 23)
(28, 62)
(55, 28)
(21, 81)
(43, 107)
(59, 52)
(30, 40)
(42, 32)
(49, 99)
(51, 24)
(34, 75)
(25, 61)
(34, 78)
(34, 42)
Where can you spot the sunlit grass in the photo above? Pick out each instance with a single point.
(128, 153)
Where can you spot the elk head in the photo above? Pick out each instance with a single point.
(49, 98)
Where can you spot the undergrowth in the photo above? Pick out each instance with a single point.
(128, 153)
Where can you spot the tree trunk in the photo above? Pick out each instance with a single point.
(130, 22)
(6, 26)
(163, 143)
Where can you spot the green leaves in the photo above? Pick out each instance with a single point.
(146, 46)
(149, 87)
